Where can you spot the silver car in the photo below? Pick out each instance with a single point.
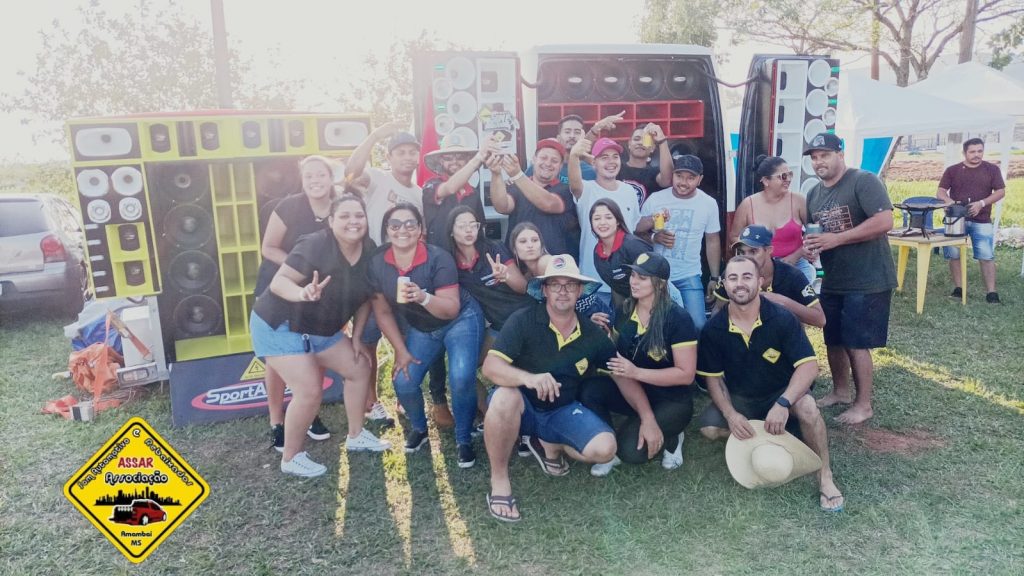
(42, 256)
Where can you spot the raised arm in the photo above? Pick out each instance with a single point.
(361, 155)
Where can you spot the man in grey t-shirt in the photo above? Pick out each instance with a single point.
(853, 208)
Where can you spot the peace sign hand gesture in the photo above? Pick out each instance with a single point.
(498, 270)
(311, 292)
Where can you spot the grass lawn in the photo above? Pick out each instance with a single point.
(933, 483)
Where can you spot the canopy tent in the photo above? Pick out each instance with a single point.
(976, 85)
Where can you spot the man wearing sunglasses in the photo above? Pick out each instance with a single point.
(454, 166)
(544, 355)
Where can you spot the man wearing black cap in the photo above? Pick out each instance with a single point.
(387, 188)
(784, 284)
(853, 208)
(677, 220)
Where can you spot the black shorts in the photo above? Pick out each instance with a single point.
(859, 321)
(751, 409)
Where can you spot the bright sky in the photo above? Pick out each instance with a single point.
(315, 33)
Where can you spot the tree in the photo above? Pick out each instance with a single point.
(914, 33)
(150, 59)
(1006, 43)
(675, 22)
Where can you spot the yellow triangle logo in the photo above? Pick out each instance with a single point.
(256, 370)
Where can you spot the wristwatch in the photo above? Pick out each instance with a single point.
(781, 401)
(716, 279)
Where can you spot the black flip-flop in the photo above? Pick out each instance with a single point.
(551, 466)
(830, 499)
(507, 501)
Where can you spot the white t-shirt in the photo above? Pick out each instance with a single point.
(689, 219)
(625, 197)
(382, 193)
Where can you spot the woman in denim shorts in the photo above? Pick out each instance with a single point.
(297, 324)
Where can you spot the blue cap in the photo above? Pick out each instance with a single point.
(689, 163)
(755, 237)
(402, 138)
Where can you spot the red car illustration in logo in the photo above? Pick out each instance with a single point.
(138, 512)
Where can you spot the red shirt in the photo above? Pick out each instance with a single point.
(967, 184)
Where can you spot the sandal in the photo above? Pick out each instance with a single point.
(550, 466)
(506, 501)
(829, 499)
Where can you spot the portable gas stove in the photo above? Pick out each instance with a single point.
(919, 216)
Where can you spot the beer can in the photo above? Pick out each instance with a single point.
(400, 295)
(648, 139)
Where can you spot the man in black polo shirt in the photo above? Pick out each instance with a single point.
(783, 283)
(759, 364)
(543, 356)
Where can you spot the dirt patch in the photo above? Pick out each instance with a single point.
(912, 170)
(884, 441)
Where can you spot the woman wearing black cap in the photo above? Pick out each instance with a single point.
(657, 360)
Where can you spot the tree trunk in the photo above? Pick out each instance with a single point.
(967, 36)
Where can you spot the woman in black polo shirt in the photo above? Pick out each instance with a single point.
(421, 283)
(657, 348)
(616, 248)
(293, 217)
(297, 324)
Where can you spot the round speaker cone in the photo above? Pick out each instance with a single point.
(192, 271)
(98, 211)
(461, 136)
(829, 116)
(461, 72)
(577, 80)
(463, 107)
(181, 182)
(442, 89)
(812, 129)
(188, 226)
(93, 183)
(612, 84)
(818, 73)
(817, 101)
(808, 185)
(127, 180)
(197, 315)
(444, 123)
(648, 82)
(129, 209)
(682, 80)
(277, 178)
(832, 87)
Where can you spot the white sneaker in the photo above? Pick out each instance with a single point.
(366, 442)
(673, 460)
(601, 470)
(301, 465)
(378, 412)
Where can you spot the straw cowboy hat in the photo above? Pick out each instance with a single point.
(433, 159)
(768, 460)
(561, 265)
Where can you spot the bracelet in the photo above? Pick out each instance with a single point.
(660, 142)
(517, 176)
(426, 299)
(982, 203)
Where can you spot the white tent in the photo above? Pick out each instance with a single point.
(976, 85)
(869, 109)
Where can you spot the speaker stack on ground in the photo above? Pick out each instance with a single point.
(172, 207)
(462, 98)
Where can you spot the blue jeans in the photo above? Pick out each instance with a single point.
(462, 338)
(693, 299)
(982, 241)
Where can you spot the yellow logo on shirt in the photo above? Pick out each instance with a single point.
(581, 366)
(771, 355)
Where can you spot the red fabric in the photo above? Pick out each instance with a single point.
(418, 259)
(620, 235)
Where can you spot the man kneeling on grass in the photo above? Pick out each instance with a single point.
(543, 356)
(768, 366)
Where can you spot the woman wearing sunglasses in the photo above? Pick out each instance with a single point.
(779, 209)
(297, 325)
(656, 360)
(421, 283)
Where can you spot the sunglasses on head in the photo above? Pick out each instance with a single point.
(394, 224)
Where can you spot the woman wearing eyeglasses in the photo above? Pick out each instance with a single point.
(297, 325)
(421, 283)
(656, 362)
(779, 209)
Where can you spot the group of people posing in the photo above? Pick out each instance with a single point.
(568, 346)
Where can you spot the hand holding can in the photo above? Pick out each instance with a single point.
(400, 295)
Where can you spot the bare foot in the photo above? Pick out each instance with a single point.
(831, 399)
(855, 415)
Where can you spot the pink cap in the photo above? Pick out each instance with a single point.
(603, 144)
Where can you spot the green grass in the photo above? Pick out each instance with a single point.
(1013, 205)
(953, 373)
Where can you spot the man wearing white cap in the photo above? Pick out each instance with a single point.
(759, 364)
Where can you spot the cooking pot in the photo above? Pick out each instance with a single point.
(955, 221)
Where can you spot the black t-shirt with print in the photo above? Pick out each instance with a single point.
(299, 220)
(530, 343)
(645, 180)
(341, 297)
(432, 269)
(497, 299)
(560, 232)
(612, 269)
(758, 368)
(678, 331)
(787, 281)
(435, 214)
